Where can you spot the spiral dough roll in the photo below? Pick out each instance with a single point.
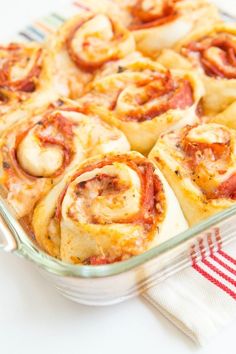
(36, 153)
(144, 99)
(108, 209)
(200, 164)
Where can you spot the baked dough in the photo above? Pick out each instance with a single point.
(36, 152)
(108, 209)
(83, 45)
(199, 162)
(158, 24)
(211, 51)
(144, 99)
(25, 78)
(226, 117)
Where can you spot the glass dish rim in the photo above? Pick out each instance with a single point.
(27, 248)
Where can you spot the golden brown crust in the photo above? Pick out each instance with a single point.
(143, 99)
(226, 117)
(26, 80)
(37, 152)
(162, 24)
(68, 173)
(82, 45)
(211, 52)
(108, 209)
(199, 162)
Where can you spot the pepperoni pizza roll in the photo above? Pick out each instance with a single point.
(158, 24)
(108, 209)
(212, 52)
(83, 45)
(199, 162)
(37, 152)
(143, 99)
(25, 76)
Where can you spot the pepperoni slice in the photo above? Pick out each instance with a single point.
(147, 14)
(151, 189)
(217, 55)
(20, 67)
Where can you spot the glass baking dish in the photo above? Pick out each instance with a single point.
(113, 283)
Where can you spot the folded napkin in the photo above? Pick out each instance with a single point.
(201, 299)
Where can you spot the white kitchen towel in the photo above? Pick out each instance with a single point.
(199, 300)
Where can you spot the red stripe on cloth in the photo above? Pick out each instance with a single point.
(214, 256)
(202, 247)
(219, 272)
(211, 266)
(227, 256)
(218, 238)
(205, 261)
(223, 264)
(214, 281)
(220, 251)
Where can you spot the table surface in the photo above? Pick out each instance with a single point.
(34, 318)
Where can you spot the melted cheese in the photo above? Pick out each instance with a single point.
(46, 153)
(209, 134)
(23, 67)
(90, 221)
(165, 36)
(91, 39)
(107, 208)
(39, 160)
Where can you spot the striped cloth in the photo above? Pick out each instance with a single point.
(39, 30)
(200, 299)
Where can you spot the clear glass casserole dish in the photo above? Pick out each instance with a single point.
(113, 283)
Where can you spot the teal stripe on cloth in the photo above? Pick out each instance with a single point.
(59, 17)
(25, 36)
(37, 34)
(34, 33)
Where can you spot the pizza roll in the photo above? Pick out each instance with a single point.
(37, 152)
(199, 162)
(158, 24)
(108, 209)
(83, 45)
(25, 76)
(212, 52)
(143, 99)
